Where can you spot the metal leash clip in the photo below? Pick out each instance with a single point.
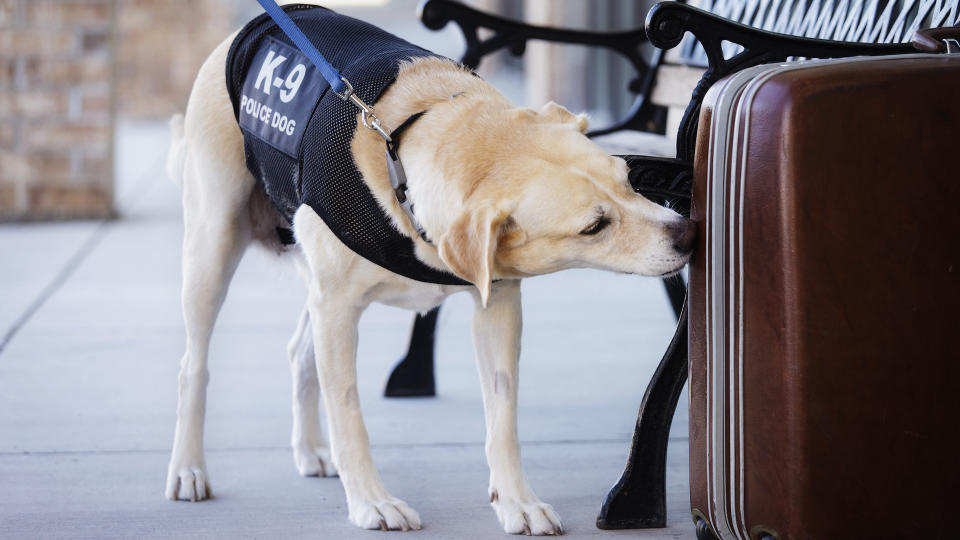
(367, 117)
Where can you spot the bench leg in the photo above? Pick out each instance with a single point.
(676, 292)
(639, 499)
(413, 375)
(704, 532)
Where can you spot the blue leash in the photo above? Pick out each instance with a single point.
(338, 83)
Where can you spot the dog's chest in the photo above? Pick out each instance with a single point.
(415, 296)
(297, 132)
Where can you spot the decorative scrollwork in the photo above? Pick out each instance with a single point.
(662, 180)
(668, 21)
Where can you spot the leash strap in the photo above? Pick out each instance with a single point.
(337, 83)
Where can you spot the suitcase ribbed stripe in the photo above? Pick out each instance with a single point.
(724, 297)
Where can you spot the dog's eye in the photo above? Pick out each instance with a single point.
(596, 226)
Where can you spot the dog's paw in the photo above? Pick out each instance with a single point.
(188, 484)
(530, 517)
(314, 461)
(387, 515)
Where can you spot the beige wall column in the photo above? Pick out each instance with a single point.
(556, 72)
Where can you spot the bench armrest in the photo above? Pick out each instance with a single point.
(665, 181)
(667, 22)
(513, 36)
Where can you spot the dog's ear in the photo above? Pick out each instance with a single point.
(469, 246)
(553, 112)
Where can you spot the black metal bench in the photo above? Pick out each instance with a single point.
(806, 29)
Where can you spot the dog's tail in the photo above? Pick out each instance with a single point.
(176, 155)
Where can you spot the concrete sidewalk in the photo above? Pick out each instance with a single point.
(89, 365)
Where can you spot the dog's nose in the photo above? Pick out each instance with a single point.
(683, 231)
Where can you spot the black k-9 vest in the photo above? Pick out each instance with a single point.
(297, 132)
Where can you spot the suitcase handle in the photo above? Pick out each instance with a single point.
(934, 40)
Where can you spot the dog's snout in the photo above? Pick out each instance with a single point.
(683, 232)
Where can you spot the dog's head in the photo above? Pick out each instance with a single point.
(548, 199)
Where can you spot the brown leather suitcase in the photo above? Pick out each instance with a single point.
(824, 301)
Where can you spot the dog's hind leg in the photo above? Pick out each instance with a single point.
(212, 247)
(217, 230)
(214, 241)
(311, 454)
(496, 338)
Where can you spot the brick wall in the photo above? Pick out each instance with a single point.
(67, 69)
(56, 134)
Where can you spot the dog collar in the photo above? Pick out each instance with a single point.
(398, 178)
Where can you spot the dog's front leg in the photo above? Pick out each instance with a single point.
(334, 319)
(496, 338)
(311, 454)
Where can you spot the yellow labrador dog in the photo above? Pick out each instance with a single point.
(503, 193)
